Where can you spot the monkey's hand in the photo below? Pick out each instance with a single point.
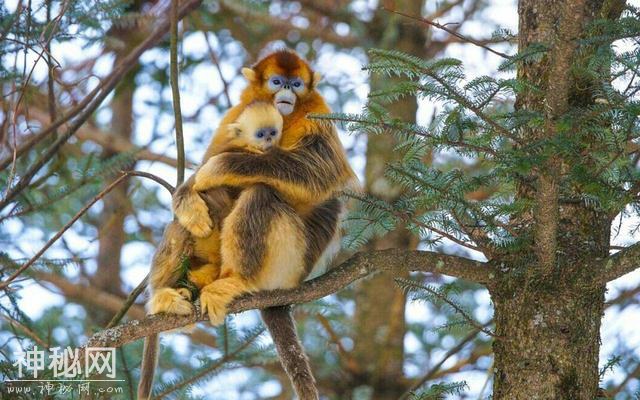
(170, 301)
(192, 211)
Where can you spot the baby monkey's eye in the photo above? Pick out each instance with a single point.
(260, 134)
(273, 133)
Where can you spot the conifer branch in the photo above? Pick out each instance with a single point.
(59, 234)
(215, 366)
(358, 266)
(431, 372)
(415, 287)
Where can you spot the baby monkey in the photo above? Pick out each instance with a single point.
(257, 129)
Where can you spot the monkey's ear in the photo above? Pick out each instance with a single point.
(249, 74)
(234, 129)
(317, 77)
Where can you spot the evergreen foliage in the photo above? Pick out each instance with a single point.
(441, 391)
(478, 124)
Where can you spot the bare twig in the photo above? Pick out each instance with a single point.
(110, 142)
(89, 104)
(216, 63)
(79, 214)
(449, 31)
(215, 366)
(155, 178)
(175, 90)
(58, 234)
(429, 375)
(348, 361)
(18, 325)
(128, 303)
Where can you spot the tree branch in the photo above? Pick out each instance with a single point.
(88, 295)
(358, 266)
(77, 216)
(619, 264)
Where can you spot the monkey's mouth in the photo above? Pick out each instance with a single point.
(285, 102)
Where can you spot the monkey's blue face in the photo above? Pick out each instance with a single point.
(286, 90)
(266, 137)
(277, 83)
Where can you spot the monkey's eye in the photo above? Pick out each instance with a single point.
(273, 133)
(297, 84)
(275, 82)
(260, 134)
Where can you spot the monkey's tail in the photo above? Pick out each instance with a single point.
(281, 326)
(148, 366)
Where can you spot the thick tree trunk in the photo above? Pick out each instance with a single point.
(548, 324)
(548, 307)
(549, 342)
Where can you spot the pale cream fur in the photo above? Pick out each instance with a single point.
(253, 118)
(193, 214)
(169, 300)
(283, 265)
(284, 262)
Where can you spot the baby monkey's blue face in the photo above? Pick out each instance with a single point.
(268, 135)
(258, 127)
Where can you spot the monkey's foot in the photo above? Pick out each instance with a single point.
(170, 301)
(192, 213)
(214, 306)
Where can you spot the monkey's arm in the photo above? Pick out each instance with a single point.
(202, 212)
(191, 210)
(309, 173)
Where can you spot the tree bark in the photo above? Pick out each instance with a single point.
(548, 301)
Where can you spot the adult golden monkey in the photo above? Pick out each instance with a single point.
(294, 186)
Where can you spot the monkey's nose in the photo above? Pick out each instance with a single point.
(263, 132)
